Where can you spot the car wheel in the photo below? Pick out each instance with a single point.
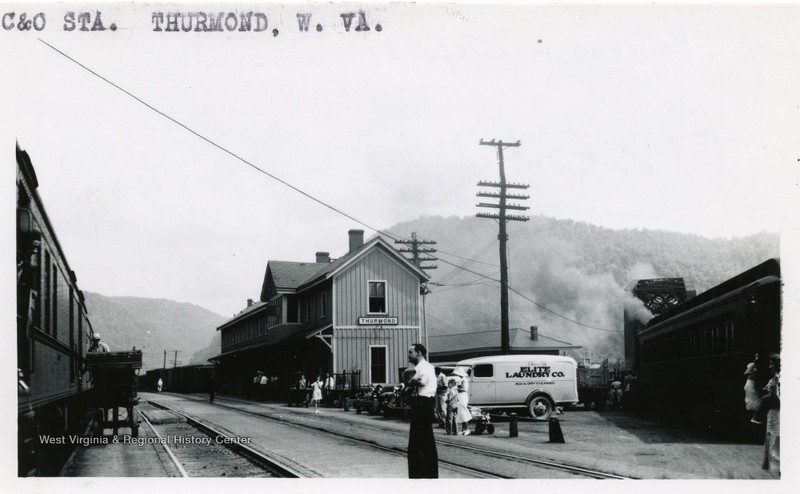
(490, 428)
(540, 408)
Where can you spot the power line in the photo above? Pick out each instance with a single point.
(537, 304)
(287, 184)
(473, 259)
(451, 274)
(218, 146)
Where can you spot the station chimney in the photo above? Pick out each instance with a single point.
(356, 239)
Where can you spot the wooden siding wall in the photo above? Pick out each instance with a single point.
(314, 297)
(351, 349)
(402, 290)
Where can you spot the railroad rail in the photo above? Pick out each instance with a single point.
(262, 460)
(482, 452)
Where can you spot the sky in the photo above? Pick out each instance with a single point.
(679, 118)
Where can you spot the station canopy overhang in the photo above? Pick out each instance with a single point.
(267, 343)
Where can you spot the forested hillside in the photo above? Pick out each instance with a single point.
(572, 270)
(154, 325)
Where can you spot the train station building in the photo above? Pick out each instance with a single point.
(358, 313)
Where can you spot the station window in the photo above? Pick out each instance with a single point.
(291, 308)
(377, 297)
(324, 304)
(377, 363)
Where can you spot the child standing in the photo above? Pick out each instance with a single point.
(451, 424)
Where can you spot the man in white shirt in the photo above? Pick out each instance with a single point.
(423, 459)
(330, 384)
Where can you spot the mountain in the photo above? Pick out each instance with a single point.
(570, 276)
(155, 325)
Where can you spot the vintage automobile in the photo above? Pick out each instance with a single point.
(370, 398)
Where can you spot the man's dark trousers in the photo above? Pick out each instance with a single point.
(423, 461)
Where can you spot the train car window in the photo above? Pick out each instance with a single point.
(714, 340)
(47, 293)
(71, 336)
(80, 331)
(37, 287)
(55, 301)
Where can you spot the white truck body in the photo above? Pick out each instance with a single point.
(536, 382)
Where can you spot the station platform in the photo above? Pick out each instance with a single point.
(611, 441)
(120, 458)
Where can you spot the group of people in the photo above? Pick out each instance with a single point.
(764, 400)
(452, 402)
(263, 386)
(621, 393)
(319, 389)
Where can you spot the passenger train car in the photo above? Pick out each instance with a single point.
(691, 359)
(53, 330)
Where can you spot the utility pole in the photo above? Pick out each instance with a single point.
(165, 359)
(502, 217)
(418, 256)
(175, 362)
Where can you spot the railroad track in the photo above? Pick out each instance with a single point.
(483, 453)
(271, 466)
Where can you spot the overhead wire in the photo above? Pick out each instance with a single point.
(289, 185)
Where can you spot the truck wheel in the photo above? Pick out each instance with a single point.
(490, 428)
(540, 407)
(587, 404)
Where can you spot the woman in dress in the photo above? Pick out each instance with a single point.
(752, 397)
(316, 393)
(464, 415)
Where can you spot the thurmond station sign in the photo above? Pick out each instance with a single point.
(377, 321)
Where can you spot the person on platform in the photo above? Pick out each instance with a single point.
(263, 381)
(771, 400)
(160, 384)
(423, 459)
(330, 385)
(464, 415)
(615, 392)
(451, 399)
(441, 397)
(253, 394)
(628, 387)
(212, 387)
(97, 345)
(752, 397)
(316, 393)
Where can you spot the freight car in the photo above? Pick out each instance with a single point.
(53, 333)
(691, 359)
(184, 379)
